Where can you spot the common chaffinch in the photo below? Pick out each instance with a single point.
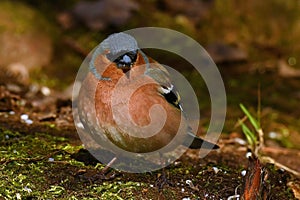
(128, 98)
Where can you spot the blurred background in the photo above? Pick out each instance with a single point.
(255, 44)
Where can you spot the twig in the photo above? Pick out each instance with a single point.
(5, 161)
(260, 142)
(267, 159)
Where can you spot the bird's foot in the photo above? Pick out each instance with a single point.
(162, 181)
(92, 177)
(107, 176)
(104, 174)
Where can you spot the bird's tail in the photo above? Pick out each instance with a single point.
(193, 142)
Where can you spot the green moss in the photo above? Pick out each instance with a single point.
(24, 162)
(117, 190)
(27, 172)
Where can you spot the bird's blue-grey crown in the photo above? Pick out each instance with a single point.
(119, 42)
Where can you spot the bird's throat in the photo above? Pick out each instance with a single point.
(126, 71)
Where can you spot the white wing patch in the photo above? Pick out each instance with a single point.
(167, 90)
(180, 107)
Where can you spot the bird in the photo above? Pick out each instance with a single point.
(129, 98)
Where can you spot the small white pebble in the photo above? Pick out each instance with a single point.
(6, 136)
(282, 170)
(51, 159)
(248, 154)
(189, 182)
(186, 198)
(15, 151)
(18, 196)
(24, 117)
(182, 190)
(206, 195)
(12, 112)
(216, 170)
(27, 189)
(45, 91)
(176, 163)
(273, 135)
(28, 121)
(244, 172)
(151, 185)
(240, 141)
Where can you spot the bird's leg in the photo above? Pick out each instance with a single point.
(162, 180)
(107, 167)
(103, 175)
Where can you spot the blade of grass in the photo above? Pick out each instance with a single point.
(252, 120)
(250, 136)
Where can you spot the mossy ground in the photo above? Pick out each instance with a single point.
(43, 166)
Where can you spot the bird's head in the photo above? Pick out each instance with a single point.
(121, 49)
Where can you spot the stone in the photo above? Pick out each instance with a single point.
(97, 15)
(23, 36)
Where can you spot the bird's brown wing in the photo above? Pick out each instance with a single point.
(169, 92)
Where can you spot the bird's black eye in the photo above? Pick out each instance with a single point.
(124, 59)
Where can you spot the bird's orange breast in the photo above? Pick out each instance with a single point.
(132, 113)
